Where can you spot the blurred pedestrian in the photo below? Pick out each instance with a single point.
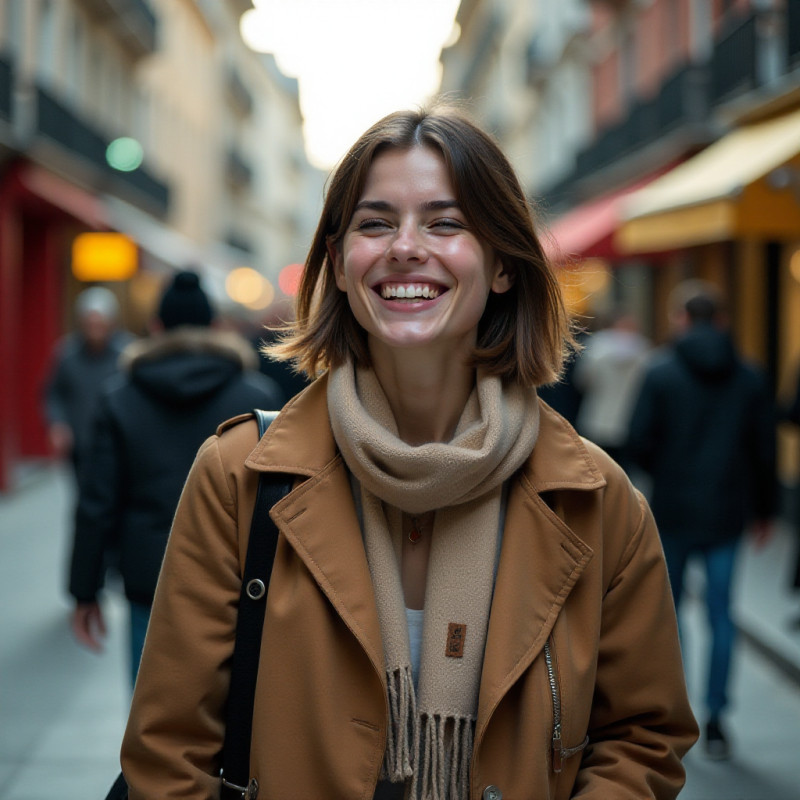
(608, 374)
(467, 599)
(703, 427)
(177, 386)
(82, 363)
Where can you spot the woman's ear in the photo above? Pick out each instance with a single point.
(502, 280)
(335, 257)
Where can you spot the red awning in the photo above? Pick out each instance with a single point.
(587, 231)
(69, 198)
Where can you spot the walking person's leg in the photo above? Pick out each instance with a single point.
(720, 562)
(140, 617)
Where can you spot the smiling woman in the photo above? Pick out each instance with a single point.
(416, 276)
(467, 599)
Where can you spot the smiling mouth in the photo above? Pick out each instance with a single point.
(409, 291)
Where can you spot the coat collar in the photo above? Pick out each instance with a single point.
(542, 557)
(301, 442)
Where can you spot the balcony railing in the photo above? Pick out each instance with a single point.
(61, 125)
(681, 101)
(131, 22)
(6, 88)
(733, 61)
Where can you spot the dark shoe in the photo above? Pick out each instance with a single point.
(716, 744)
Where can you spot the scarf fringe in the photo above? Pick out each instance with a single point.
(402, 736)
(431, 749)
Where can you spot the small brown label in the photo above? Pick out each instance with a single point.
(456, 633)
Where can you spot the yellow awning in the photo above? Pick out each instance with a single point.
(746, 184)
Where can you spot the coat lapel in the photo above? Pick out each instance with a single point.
(540, 562)
(318, 518)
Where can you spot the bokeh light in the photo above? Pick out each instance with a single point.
(289, 279)
(125, 154)
(249, 288)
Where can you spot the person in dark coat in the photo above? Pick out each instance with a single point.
(84, 360)
(703, 427)
(177, 386)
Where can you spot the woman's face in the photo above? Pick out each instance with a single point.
(415, 273)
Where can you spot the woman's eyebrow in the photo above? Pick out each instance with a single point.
(383, 205)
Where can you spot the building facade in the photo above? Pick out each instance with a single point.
(680, 157)
(207, 168)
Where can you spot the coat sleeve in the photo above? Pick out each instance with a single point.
(98, 510)
(54, 390)
(641, 724)
(174, 736)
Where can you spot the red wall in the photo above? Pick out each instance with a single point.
(32, 268)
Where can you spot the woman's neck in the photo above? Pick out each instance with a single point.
(426, 398)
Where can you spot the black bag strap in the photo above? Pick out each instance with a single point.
(246, 650)
(252, 607)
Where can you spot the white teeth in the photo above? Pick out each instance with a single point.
(409, 291)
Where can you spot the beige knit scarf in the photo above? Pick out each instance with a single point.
(431, 731)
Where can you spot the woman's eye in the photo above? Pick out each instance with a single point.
(448, 224)
(371, 224)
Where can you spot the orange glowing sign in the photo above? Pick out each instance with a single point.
(104, 257)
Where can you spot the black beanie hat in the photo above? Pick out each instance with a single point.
(185, 302)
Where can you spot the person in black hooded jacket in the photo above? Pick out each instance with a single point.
(703, 428)
(176, 387)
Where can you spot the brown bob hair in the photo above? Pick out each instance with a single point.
(524, 333)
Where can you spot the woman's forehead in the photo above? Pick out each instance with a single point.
(419, 170)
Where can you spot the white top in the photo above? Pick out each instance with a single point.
(415, 617)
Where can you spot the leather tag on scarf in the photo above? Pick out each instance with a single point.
(456, 633)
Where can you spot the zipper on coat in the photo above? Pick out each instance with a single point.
(559, 751)
(556, 697)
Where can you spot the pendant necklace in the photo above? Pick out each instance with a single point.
(415, 534)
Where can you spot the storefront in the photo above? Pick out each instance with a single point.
(596, 275)
(732, 213)
(40, 214)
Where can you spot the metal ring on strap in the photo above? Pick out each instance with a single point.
(229, 785)
(255, 589)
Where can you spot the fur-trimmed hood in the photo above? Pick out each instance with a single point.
(183, 365)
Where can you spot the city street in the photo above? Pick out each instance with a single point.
(62, 709)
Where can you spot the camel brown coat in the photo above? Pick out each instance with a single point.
(581, 571)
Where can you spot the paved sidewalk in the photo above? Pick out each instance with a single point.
(766, 609)
(62, 708)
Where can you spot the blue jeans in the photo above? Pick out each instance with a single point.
(140, 616)
(719, 563)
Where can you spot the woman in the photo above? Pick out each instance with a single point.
(467, 599)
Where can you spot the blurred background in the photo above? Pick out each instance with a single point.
(658, 139)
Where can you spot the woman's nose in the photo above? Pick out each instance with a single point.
(407, 244)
